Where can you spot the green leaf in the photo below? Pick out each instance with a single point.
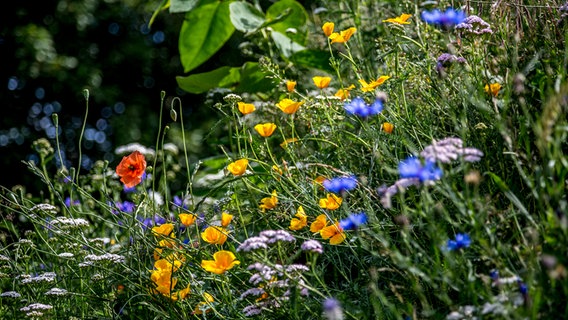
(285, 44)
(202, 82)
(182, 5)
(317, 59)
(295, 17)
(203, 32)
(245, 17)
(253, 79)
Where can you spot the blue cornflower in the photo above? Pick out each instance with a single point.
(358, 107)
(353, 221)
(413, 168)
(462, 241)
(126, 206)
(180, 202)
(340, 184)
(68, 202)
(447, 19)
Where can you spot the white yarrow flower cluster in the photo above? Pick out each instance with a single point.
(111, 257)
(36, 307)
(56, 292)
(45, 207)
(66, 255)
(10, 294)
(47, 277)
(68, 223)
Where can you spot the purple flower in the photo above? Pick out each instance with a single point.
(312, 246)
(332, 309)
(413, 168)
(353, 221)
(462, 240)
(475, 25)
(340, 184)
(125, 206)
(446, 19)
(359, 108)
(68, 202)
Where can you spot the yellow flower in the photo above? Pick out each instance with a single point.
(343, 36)
(201, 305)
(331, 202)
(265, 129)
(245, 108)
(238, 167)
(344, 93)
(289, 106)
(277, 169)
(493, 88)
(319, 223)
(388, 127)
(321, 82)
(164, 229)
(334, 233)
(300, 221)
(328, 28)
(214, 235)
(290, 85)
(402, 19)
(269, 202)
(285, 143)
(187, 219)
(180, 295)
(366, 87)
(163, 280)
(226, 219)
(222, 261)
(165, 265)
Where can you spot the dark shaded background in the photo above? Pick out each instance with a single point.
(51, 53)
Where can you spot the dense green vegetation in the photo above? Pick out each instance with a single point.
(358, 160)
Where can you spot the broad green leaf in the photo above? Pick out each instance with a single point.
(253, 79)
(182, 5)
(317, 59)
(202, 82)
(245, 17)
(285, 44)
(295, 17)
(203, 32)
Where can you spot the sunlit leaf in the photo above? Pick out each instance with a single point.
(295, 18)
(182, 5)
(245, 17)
(285, 44)
(202, 82)
(204, 31)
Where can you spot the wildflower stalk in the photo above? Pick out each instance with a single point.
(189, 177)
(86, 96)
(162, 96)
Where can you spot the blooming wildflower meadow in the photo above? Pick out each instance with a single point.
(376, 160)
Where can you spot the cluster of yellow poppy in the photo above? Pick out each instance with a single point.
(320, 225)
(165, 265)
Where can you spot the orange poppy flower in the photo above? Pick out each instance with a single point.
(290, 85)
(334, 233)
(321, 82)
(131, 169)
(402, 19)
(388, 127)
(245, 108)
(265, 129)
